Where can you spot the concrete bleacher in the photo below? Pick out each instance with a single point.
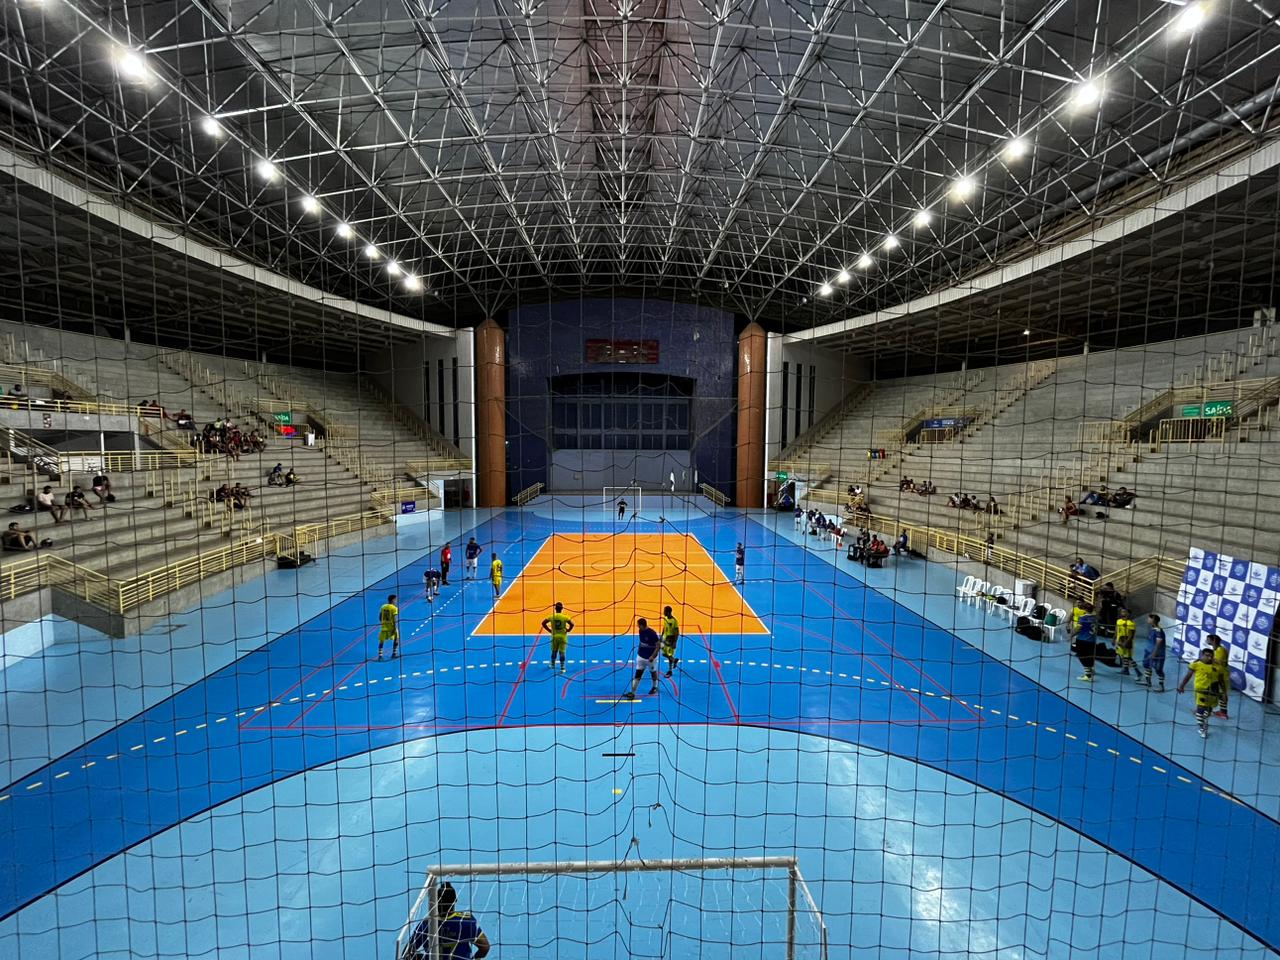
(1213, 495)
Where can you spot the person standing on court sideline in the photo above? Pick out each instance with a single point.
(740, 563)
(473, 558)
(446, 560)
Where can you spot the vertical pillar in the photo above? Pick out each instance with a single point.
(491, 415)
(753, 344)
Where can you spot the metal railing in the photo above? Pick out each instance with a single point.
(714, 495)
(1188, 430)
(438, 465)
(528, 493)
(28, 374)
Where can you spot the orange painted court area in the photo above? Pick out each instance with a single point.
(606, 581)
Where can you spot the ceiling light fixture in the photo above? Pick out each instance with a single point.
(310, 203)
(131, 65)
(412, 282)
(267, 170)
(963, 188)
(1016, 149)
(865, 262)
(922, 219)
(212, 128)
(393, 268)
(371, 251)
(842, 276)
(1026, 333)
(1087, 94)
(891, 242)
(343, 230)
(824, 290)
(1190, 19)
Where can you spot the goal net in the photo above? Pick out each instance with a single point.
(695, 909)
(632, 494)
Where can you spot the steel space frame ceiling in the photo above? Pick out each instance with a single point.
(739, 153)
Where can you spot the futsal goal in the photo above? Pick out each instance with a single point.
(633, 494)
(758, 908)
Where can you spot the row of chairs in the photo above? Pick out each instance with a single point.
(976, 591)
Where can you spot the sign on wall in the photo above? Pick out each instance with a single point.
(1210, 408)
(283, 416)
(622, 351)
(1236, 599)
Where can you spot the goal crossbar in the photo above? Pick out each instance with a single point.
(797, 887)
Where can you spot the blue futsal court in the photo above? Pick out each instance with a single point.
(268, 789)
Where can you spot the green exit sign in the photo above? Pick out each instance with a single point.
(284, 417)
(782, 476)
(1219, 408)
(1212, 408)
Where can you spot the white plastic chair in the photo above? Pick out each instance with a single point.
(965, 590)
(1063, 618)
(979, 588)
(1000, 592)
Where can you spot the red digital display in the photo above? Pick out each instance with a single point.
(622, 351)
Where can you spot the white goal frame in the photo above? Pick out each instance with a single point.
(798, 896)
(633, 494)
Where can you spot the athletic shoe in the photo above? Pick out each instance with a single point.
(1160, 689)
(653, 690)
(1087, 678)
(563, 668)
(395, 654)
(1204, 733)
(379, 654)
(1222, 714)
(629, 695)
(1124, 672)
(667, 674)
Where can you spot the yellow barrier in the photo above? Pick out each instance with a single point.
(438, 465)
(1189, 430)
(528, 493)
(714, 495)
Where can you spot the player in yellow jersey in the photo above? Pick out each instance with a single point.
(670, 634)
(495, 576)
(1220, 657)
(389, 627)
(1209, 678)
(1126, 630)
(559, 626)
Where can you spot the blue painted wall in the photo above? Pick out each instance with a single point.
(546, 340)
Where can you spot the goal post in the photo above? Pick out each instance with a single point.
(633, 494)
(719, 908)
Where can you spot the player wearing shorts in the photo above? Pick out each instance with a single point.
(473, 552)
(495, 576)
(1221, 656)
(1209, 678)
(431, 584)
(670, 634)
(646, 658)
(389, 627)
(739, 562)
(559, 626)
(1153, 656)
(1126, 630)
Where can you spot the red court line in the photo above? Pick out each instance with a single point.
(724, 687)
(524, 667)
(325, 696)
(892, 653)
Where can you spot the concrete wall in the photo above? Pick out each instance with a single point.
(547, 340)
(590, 471)
(421, 376)
(817, 379)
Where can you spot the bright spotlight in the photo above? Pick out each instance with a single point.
(824, 290)
(393, 268)
(922, 219)
(310, 204)
(1016, 149)
(842, 276)
(267, 170)
(1190, 19)
(371, 251)
(890, 242)
(412, 283)
(1087, 95)
(343, 230)
(963, 188)
(865, 261)
(212, 128)
(131, 65)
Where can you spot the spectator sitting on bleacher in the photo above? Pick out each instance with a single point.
(184, 420)
(902, 544)
(1068, 510)
(45, 503)
(954, 500)
(992, 508)
(1085, 570)
(18, 540)
(256, 442)
(291, 478)
(223, 494)
(877, 552)
(101, 487)
(1099, 497)
(926, 489)
(76, 500)
(152, 408)
(240, 496)
(906, 483)
(1123, 498)
(276, 477)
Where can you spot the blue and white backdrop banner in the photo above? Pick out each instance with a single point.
(1237, 600)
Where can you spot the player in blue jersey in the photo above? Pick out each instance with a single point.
(646, 657)
(1153, 656)
(739, 563)
(457, 932)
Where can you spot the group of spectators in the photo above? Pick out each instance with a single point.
(856, 503)
(235, 497)
(970, 501)
(1121, 499)
(223, 436)
(19, 539)
(869, 549)
(925, 488)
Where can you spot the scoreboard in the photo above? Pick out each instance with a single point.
(622, 351)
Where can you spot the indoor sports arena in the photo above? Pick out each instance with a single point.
(639, 480)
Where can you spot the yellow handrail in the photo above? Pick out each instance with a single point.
(714, 495)
(528, 493)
